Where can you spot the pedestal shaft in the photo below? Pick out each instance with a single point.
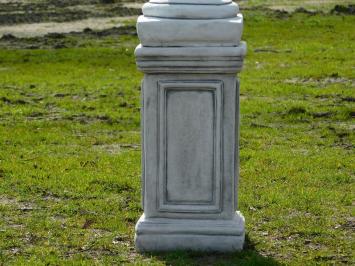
(190, 121)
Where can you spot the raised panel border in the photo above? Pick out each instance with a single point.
(214, 206)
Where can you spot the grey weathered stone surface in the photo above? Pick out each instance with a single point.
(159, 32)
(157, 234)
(190, 11)
(190, 121)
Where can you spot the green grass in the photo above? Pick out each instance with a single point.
(291, 5)
(70, 150)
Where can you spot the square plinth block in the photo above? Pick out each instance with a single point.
(164, 234)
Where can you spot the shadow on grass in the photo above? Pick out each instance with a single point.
(249, 256)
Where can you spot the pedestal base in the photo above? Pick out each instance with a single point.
(164, 234)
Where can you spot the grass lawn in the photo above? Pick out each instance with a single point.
(291, 5)
(70, 148)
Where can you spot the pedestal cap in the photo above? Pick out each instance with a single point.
(190, 11)
(184, 23)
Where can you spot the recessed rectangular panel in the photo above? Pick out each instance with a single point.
(190, 123)
(190, 146)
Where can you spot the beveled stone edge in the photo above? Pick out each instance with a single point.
(197, 68)
(192, 51)
(210, 227)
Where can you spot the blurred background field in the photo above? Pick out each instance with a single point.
(70, 134)
(26, 18)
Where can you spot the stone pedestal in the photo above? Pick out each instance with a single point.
(190, 53)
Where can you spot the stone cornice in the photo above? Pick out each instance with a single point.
(190, 59)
